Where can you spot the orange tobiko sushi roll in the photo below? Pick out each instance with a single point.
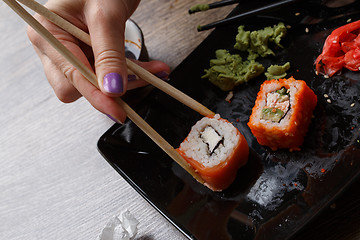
(216, 150)
(282, 113)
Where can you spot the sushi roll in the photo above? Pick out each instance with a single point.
(282, 113)
(216, 150)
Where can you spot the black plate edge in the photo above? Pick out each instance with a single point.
(138, 189)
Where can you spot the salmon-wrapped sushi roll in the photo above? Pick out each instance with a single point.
(216, 150)
(282, 113)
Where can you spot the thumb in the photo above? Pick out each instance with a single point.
(106, 27)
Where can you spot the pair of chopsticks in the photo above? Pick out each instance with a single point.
(242, 15)
(90, 75)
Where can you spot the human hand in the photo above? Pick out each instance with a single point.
(105, 22)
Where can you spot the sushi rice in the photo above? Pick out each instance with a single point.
(216, 150)
(196, 147)
(290, 131)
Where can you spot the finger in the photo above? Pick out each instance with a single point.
(100, 101)
(94, 96)
(63, 89)
(106, 24)
(48, 54)
(97, 99)
(134, 82)
(158, 68)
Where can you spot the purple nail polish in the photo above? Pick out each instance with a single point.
(163, 75)
(131, 77)
(113, 83)
(115, 120)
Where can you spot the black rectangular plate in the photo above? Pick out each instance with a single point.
(276, 193)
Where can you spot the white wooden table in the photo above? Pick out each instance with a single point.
(54, 184)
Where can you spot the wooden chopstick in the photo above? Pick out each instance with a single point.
(214, 5)
(167, 88)
(136, 69)
(60, 22)
(146, 128)
(240, 16)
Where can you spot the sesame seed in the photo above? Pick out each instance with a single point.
(334, 41)
(352, 105)
(328, 100)
(326, 76)
(297, 14)
(349, 20)
(316, 72)
(306, 30)
(326, 96)
(288, 26)
(229, 96)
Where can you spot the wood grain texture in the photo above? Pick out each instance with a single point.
(170, 31)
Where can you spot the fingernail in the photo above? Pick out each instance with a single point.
(163, 75)
(113, 83)
(131, 77)
(114, 119)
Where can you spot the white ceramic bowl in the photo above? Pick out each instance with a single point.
(134, 42)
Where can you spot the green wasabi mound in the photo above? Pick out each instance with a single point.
(229, 70)
(242, 39)
(277, 71)
(258, 41)
(199, 7)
